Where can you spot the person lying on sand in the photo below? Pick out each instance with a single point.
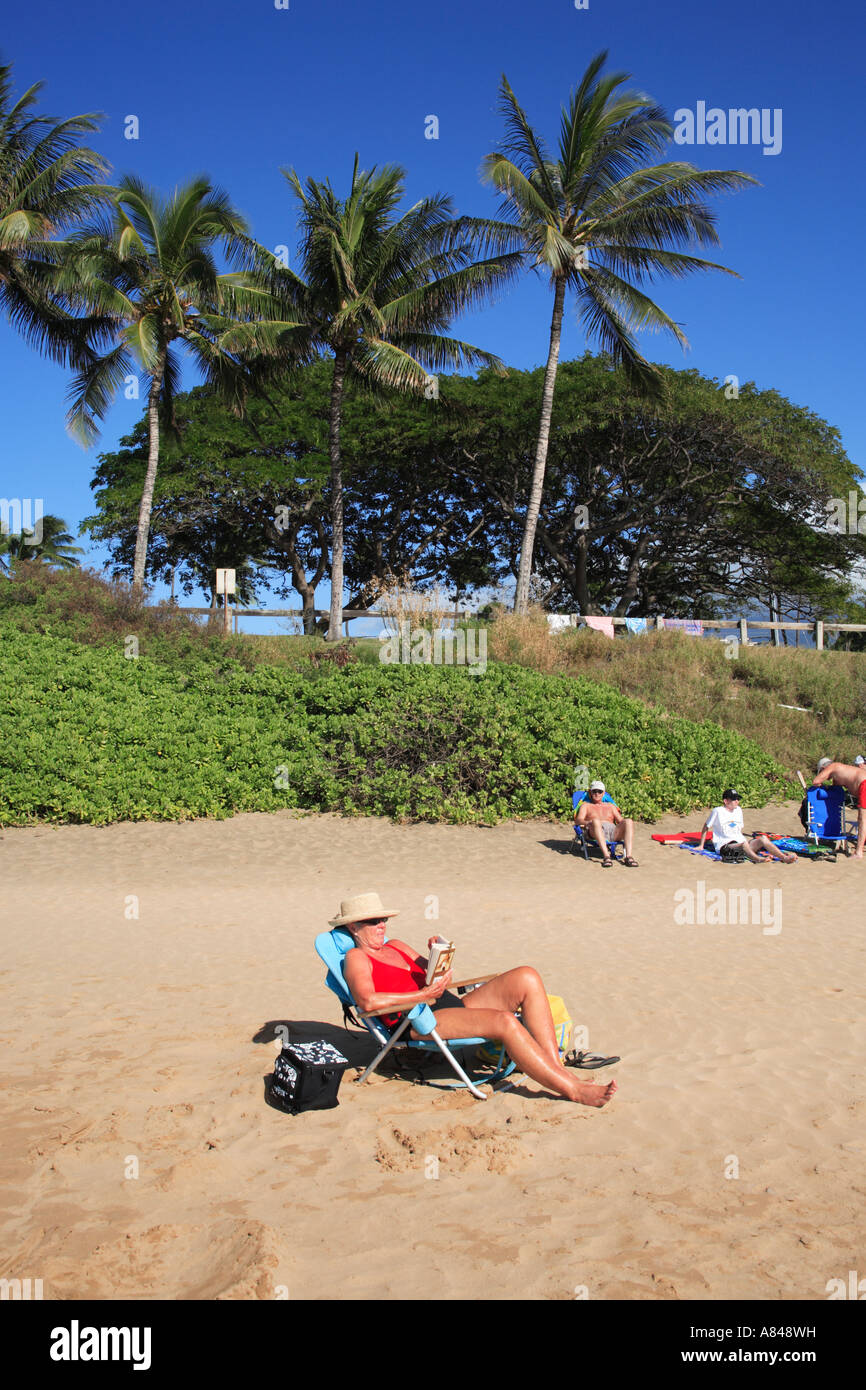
(853, 779)
(724, 825)
(606, 823)
(391, 974)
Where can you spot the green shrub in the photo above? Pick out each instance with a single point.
(92, 736)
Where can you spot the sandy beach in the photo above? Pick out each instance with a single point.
(147, 966)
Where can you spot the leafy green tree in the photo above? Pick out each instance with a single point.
(149, 271)
(684, 504)
(376, 292)
(230, 487)
(600, 220)
(53, 548)
(47, 184)
(691, 504)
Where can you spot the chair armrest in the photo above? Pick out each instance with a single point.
(421, 1016)
(476, 980)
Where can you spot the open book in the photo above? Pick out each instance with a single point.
(441, 956)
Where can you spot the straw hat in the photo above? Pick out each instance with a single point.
(360, 908)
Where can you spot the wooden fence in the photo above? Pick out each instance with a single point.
(232, 615)
(742, 626)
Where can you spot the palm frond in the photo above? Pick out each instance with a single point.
(92, 390)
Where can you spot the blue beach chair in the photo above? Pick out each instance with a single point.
(826, 818)
(586, 843)
(332, 947)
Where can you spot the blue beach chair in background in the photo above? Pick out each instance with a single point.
(332, 947)
(827, 820)
(588, 842)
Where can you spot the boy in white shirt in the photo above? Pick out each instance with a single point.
(724, 826)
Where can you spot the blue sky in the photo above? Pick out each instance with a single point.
(239, 90)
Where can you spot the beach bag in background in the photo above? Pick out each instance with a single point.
(562, 1024)
(307, 1076)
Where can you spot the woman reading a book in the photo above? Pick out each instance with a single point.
(386, 975)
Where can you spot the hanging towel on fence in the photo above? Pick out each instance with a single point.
(604, 625)
(557, 622)
(635, 624)
(693, 626)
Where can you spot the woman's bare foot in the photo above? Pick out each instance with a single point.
(586, 1093)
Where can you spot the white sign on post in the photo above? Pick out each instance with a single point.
(225, 581)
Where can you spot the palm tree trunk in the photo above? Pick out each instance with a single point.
(146, 507)
(335, 625)
(521, 597)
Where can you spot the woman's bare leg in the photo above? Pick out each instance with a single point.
(503, 1027)
(521, 988)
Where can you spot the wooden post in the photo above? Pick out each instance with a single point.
(660, 622)
(226, 618)
(819, 635)
(744, 632)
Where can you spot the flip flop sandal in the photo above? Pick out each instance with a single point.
(588, 1061)
(606, 862)
(630, 863)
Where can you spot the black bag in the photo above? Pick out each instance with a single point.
(307, 1076)
(803, 813)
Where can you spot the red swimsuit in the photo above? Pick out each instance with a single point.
(393, 979)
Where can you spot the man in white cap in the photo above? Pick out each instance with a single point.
(606, 823)
(853, 779)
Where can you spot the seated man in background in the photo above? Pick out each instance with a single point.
(724, 826)
(853, 779)
(606, 823)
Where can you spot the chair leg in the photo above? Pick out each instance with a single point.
(452, 1061)
(385, 1050)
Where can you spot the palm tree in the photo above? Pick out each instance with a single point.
(147, 271)
(376, 292)
(54, 548)
(46, 186)
(599, 220)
